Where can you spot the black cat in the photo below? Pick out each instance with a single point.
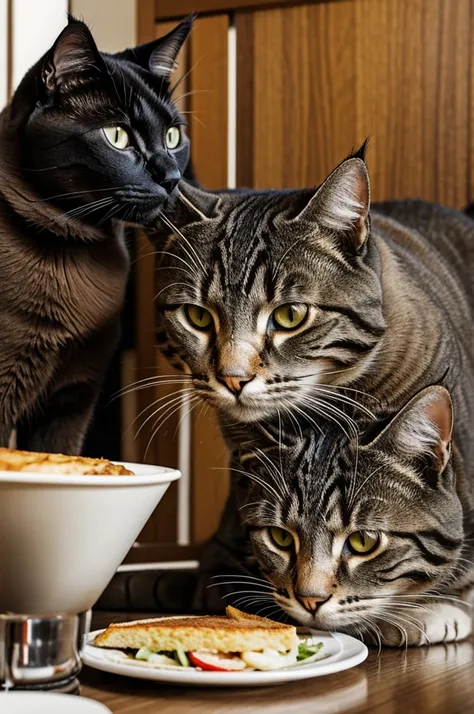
(88, 140)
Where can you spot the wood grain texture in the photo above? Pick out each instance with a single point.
(400, 72)
(208, 125)
(145, 10)
(436, 680)
(171, 9)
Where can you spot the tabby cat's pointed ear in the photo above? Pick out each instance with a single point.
(199, 205)
(188, 205)
(341, 204)
(74, 57)
(423, 429)
(160, 56)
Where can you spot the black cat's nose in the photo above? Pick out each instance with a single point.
(170, 183)
(312, 602)
(235, 383)
(164, 171)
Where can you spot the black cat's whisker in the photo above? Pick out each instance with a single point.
(81, 212)
(109, 215)
(71, 194)
(190, 93)
(190, 250)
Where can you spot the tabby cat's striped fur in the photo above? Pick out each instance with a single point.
(396, 496)
(390, 310)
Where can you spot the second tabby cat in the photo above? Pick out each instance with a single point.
(374, 538)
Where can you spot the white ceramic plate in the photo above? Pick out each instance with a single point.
(48, 703)
(339, 652)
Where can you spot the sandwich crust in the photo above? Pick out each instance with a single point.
(235, 632)
(30, 461)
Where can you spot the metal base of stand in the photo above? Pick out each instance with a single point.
(42, 651)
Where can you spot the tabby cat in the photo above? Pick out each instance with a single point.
(274, 300)
(373, 538)
(282, 307)
(87, 139)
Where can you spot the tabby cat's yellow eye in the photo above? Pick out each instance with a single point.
(173, 137)
(281, 538)
(198, 316)
(289, 317)
(363, 543)
(117, 136)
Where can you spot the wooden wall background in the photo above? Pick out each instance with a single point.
(313, 80)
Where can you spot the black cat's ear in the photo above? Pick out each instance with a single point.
(422, 429)
(73, 58)
(160, 56)
(341, 204)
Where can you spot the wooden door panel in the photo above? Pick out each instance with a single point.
(325, 76)
(209, 133)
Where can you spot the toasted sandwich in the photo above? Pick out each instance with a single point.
(232, 642)
(30, 461)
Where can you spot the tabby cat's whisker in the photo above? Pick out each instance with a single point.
(175, 396)
(341, 398)
(246, 577)
(253, 477)
(173, 285)
(168, 415)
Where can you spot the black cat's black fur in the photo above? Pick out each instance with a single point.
(84, 143)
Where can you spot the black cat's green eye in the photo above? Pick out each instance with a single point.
(281, 538)
(362, 542)
(117, 136)
(198, 317)
(173, 137)
(289, 317)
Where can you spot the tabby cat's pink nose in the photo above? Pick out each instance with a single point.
(312, 603)
(235, 384)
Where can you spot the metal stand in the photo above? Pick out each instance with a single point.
(42, 651)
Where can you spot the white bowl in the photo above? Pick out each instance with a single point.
(62, 537)
(48, 703)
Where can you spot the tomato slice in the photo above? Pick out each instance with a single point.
(217, 662)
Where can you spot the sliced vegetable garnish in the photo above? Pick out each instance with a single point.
(217, 662)
(182, 657)
(306, 650)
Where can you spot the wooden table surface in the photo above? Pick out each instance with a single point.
(436, 680)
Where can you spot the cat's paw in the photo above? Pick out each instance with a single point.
(429, 624)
